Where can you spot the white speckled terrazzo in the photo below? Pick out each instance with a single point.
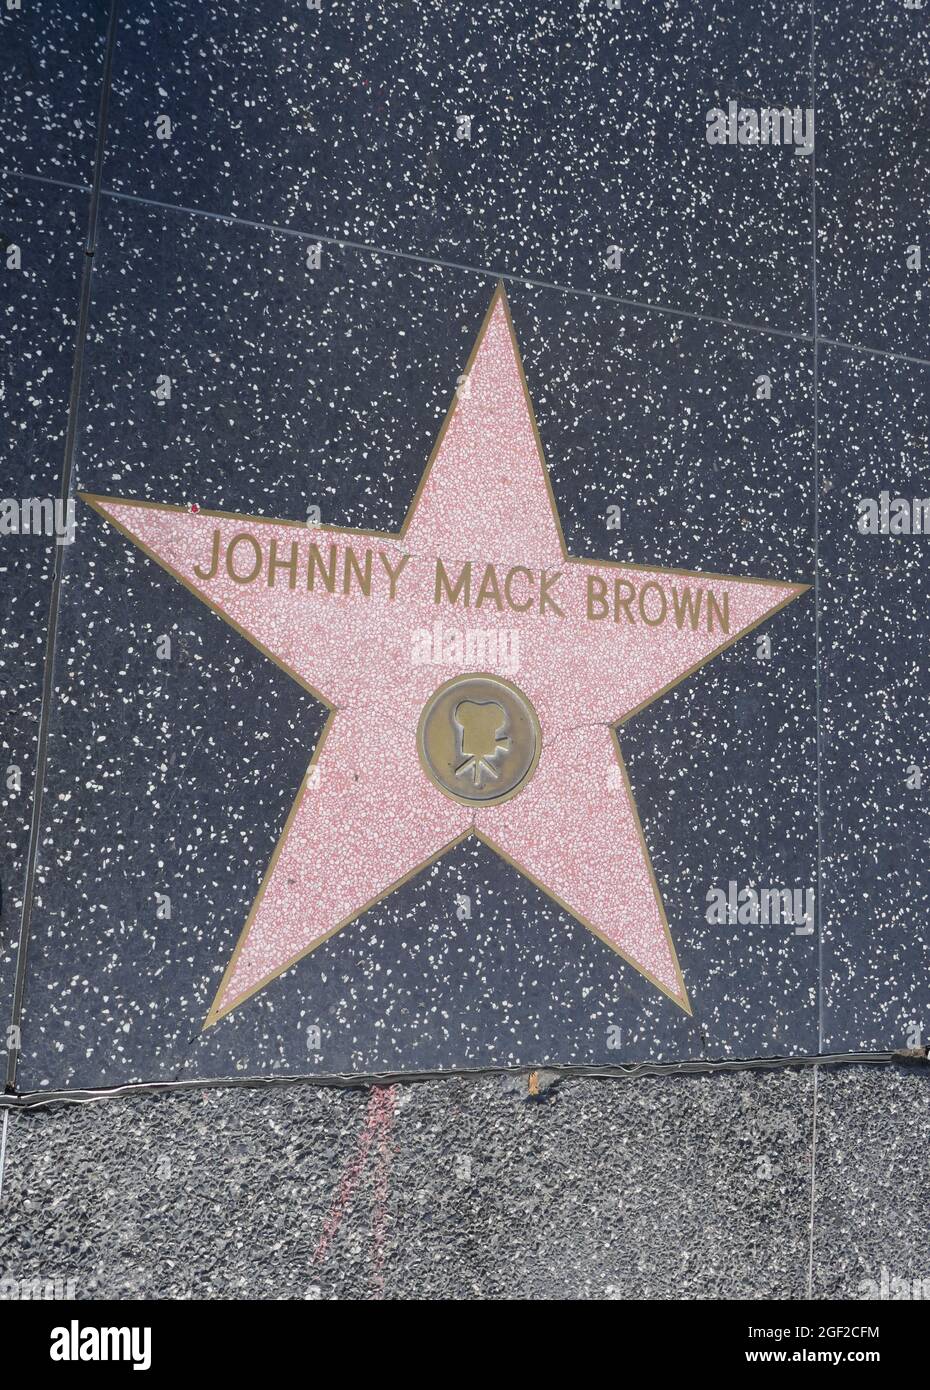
(295, 249)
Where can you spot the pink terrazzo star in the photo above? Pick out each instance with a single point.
(588, 649)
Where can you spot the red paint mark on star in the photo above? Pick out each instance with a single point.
(367, 817)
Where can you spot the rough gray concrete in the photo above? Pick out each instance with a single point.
(665, 1187)
(872, 1211)
(672, 1187)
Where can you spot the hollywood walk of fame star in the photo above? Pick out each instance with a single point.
(595, 645)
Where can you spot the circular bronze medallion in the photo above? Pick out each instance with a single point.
(479, 739)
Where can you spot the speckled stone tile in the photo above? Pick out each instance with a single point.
(174, 774)
(874, 438)
(872, 1191)
(51, 70)
(672, 1188)
(38, 318)
(873, 174)
(586, 162)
